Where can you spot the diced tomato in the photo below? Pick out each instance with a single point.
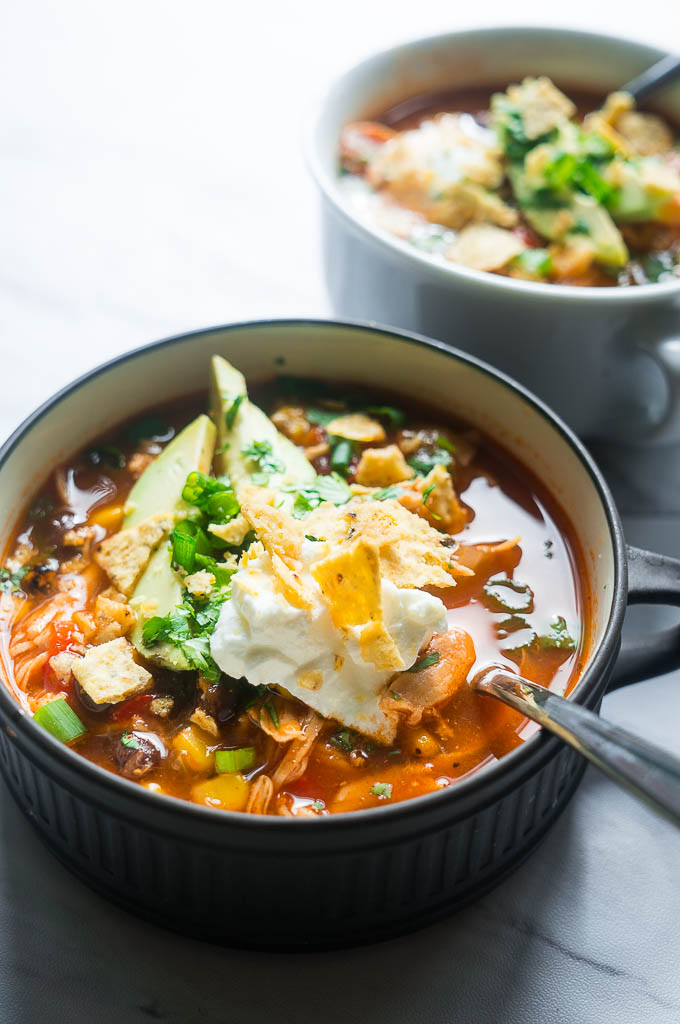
(63, 634)
(132, 707)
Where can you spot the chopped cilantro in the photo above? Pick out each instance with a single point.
(318, 540)
(395, 416)
(318, 805)
(107, 455)
(558, 636)
(536, 262)
(383, 790)
(148, 428)
(232, 411)
(385, 493)
(426, 662)
(321, 417)
(129, 740)
(425, 459)
(426, 494)
(394, 695)
(10, 582)
(273, 714)
(41, 507)
(344, 740)
(261, 453)
(506, 595)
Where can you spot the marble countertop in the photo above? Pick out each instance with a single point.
(152, 182)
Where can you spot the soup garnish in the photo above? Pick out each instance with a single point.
(527, 188)
(279, 614)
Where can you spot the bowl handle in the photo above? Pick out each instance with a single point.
(652, 579)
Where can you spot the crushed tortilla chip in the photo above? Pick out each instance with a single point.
(434, 499)
(351, 586)
(278, 531)
(356, 426)
(412, 553)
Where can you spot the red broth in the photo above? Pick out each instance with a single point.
(344, 771)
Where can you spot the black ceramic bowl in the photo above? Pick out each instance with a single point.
(297, 883)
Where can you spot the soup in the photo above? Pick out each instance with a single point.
(524, 182)
(278, 612)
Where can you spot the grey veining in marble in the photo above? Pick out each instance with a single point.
(151, 181)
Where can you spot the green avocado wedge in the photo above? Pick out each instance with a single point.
(240, 424)
(159, 489)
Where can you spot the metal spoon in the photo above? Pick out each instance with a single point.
(664, 71)
(649, 773)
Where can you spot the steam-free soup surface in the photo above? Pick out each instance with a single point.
(525, 606)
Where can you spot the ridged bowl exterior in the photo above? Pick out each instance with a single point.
(299, 883)
(364, 881)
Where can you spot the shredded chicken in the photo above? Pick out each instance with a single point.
(294, 762)
(260, 796)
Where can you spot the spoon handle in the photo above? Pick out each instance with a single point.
(665, 70)
(646, 771)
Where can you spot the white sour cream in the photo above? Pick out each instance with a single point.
(263, 638)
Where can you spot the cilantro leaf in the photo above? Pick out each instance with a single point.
(10, 582)
(232, 411)
(426, 662)
(261, 453)
(506, 595)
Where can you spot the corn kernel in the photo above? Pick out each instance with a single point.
(229, 792)
(110, 517)
(193, 746)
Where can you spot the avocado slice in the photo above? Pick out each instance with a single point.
(239, 423)
(159, 489)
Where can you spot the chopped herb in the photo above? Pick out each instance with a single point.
(536, 262)
(107, 455)
(506, 595)
(426, 494)
(232, 411)
(395, 416)
(189, 627)
(426, 662)
(10, 582)
(129, 740)
(386, 493)
(41, 507)
(342, 452)
(261, 453)
(383, 790)
(212, 495)
(394, 753)
(344, 740)
(511, 625)
(317, 540)
(394, 695)
(321, 417)
(558, 637)
(657, 266)
(273, 713)
(426, 459)
(318, 805)
(237, 760)
(148, 428)
(60, 720)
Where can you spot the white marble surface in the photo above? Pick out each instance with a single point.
(151, 181)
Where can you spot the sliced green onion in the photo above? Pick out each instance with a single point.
(395, 416)
(61, 720)
(184, 550)
(383, 790)
(534, 261)
(235, 760)
(341, 455)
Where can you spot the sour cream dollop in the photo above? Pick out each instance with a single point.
(262, 637)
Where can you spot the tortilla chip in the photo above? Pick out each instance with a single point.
(351, 586)
(278, 531)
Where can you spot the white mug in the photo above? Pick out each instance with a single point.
(607, 359)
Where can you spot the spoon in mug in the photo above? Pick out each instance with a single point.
(649, 773)
(661, 73)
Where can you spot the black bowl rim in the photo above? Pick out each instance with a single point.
(596, 666)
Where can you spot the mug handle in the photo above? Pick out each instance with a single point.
(652, 579)
(665, 352)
